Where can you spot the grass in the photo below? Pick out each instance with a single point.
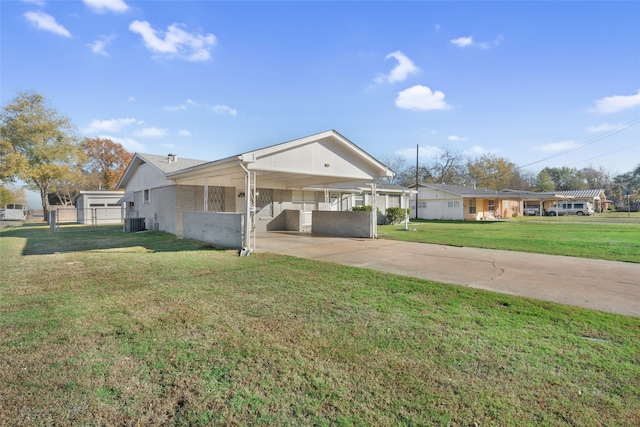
(571, 236)
(108, 328)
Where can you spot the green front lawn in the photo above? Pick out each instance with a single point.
(586, 239)
(108, 328)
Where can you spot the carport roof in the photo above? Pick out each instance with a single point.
(319, 159)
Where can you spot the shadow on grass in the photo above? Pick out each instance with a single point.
(40, 240)
(456, 221)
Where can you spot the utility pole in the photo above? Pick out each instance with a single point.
(417, 192)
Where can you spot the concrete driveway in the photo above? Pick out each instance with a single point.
(603, 285)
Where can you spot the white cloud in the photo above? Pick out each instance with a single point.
(613, 104)
(152, 132)
(605, 127)
(175, 107)
(131, 99)
(130, 144)
(99, 46)
(556, 146)
(469, 41)
(421, 98)
(477, 150)
(463, 41)
(223, 109)
(218, 109)
(401, 71)
(175, 42)
(184, 132)
(101, 6)
(112, 125)
(45, 22)
(426, 152)
(456, 138)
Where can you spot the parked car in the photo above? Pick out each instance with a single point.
(571, 208)
(532, 210)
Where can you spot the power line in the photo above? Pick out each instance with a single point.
(605, 154)
(610, 133)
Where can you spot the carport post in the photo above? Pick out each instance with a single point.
(374, 211)
(405, 200)
(247, 212)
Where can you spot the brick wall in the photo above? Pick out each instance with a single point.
(217, 228)
(342, 223)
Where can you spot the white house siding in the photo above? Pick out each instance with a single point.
(337, 160)
(147, 177)
(160, 211)
(440, 205)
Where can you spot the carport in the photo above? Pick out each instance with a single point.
(314, 161)
(546, 198)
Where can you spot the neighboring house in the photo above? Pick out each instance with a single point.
(455, 202)
(99, 207)
(282, 187)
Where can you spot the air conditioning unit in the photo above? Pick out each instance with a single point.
(133, 225)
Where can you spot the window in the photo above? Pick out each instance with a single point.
(264, 202)
(455, 204)
(359, 200)
(422, 205)
(472, 206)
(492, 205)
(147, 196)
(215, 199)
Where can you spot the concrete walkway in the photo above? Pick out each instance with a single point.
(603, 285)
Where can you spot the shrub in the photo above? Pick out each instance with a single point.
(395, 215)
(366, 208)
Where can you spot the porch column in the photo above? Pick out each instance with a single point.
(205, 208)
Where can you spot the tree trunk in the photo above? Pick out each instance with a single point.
(44, 197)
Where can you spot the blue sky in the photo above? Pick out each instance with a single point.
(522, 80)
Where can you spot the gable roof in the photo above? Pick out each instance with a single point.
(163, 164)
(318, 159)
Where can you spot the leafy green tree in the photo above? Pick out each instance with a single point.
(565, 178)
(626, 182)
(9, 195)
(37, 144)
(544, 182)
